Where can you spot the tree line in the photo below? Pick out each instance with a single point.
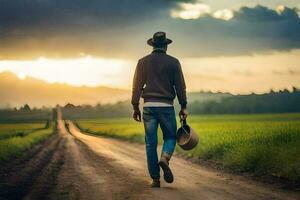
(282, 101)
(273, 102)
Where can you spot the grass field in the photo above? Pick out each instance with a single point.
(15, 138)
(263, 144)
(17, 129)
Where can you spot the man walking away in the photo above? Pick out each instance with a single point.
(158, 78)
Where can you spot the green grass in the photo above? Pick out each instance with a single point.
(8, 130)
(263, 144)
(14, 146)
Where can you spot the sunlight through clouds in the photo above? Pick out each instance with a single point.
(191, 10)
(238, 74)
(224, 14)
(82, 71)
(21, 76)
(198, 9)
(280, 9)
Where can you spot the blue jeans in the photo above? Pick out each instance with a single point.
(165, 117)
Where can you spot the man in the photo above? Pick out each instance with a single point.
(158, 78)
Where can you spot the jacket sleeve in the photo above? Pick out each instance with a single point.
(180, 86)
(137, 86)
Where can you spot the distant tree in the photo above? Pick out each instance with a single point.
(26, 108)
(286, 91)
(294, 89)
(69, 106)
(98, 106)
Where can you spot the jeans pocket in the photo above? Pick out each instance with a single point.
(147, 114)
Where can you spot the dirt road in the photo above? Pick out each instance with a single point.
(72, 165)
(191, 181)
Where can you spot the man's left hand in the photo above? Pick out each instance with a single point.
(137, 115)
(183, 114)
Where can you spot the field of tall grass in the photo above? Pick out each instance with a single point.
(262, 144)
(8, 130)
(16, 138)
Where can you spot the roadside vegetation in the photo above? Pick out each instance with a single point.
(8, 130)
(16, 138)
(262, 144)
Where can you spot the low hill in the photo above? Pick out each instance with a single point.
(35, 92)
(38, 93)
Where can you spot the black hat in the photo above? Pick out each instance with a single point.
(159, 38)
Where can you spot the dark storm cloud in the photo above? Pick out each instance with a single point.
(69, 27)
(119, 28)
(28, 14)
(252, 30)
(261, 13)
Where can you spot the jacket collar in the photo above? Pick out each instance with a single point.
(158, 50)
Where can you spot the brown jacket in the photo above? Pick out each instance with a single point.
(158, 78)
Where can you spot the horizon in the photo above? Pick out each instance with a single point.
(23, 77)
(237, 75)
(38, 93)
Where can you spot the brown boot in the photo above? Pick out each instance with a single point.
(155, 183)
(164, 164)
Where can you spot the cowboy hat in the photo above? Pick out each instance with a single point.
(159, 38)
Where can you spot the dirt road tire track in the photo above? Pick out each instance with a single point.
(87, 175)
(63, 167)
(20, 177)
(104, 181)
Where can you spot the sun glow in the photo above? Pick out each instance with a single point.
(280, 8)
(82, 71)
(21, 76)
(258, 73)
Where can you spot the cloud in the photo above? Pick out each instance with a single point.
(68, 28)
(251, 30)
(197, 9)
(262, 13)
(114, 28)
(224, 14)
(190, 10)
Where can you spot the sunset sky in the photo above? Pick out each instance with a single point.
(237, 46)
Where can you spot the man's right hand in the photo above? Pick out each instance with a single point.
(137, 115)
(183, 114)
